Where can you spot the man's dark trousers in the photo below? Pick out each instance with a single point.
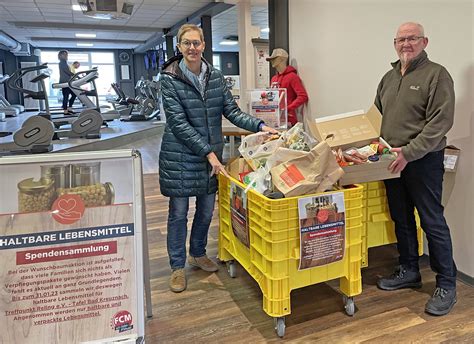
(420, 185)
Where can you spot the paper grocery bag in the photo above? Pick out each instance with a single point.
(315, 172)
(256, 148)
(283, 154)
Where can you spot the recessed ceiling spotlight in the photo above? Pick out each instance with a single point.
(229, 43)
(86, 35)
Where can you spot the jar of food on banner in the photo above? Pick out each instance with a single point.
(94, 195)
(85, 182)
(35, 196)
(60, 174)
(85, 174)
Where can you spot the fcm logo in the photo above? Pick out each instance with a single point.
(122, 321)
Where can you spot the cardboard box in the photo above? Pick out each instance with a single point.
(354, 129)
(451, 158)
(237, 166)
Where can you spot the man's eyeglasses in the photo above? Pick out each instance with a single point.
(411, 39)
(187, 44)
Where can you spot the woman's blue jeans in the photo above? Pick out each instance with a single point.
(178, 228)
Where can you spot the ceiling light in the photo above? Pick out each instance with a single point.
(84, 44)
(267, 29)
(76, 8)
(86, 35)
(229, 43)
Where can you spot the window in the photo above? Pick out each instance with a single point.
(216, 61)
(104, 61)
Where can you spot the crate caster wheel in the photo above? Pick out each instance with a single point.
(232, 269)
(280, 326)
(349, 305)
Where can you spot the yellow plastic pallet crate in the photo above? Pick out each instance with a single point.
(378, 228)
(273, 256)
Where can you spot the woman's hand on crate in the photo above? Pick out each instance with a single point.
(267, 129)
(216, 165)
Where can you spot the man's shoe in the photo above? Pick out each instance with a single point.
(203, 263)
(441, 302)
(401, 278)
(178, 281)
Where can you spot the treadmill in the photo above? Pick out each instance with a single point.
(5, 106)
(79, 79)
(86, 125)
(36, 133)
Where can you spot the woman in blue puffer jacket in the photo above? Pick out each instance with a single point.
(195, 97)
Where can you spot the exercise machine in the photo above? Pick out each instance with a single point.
(36, 132)
(9, 109)
(144, 107)
(123, 104)
(149, 107)
(86, 125)
(75, 84)
(34, 136)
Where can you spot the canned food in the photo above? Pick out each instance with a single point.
(35, 196)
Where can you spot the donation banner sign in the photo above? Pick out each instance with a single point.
(68, 251)
(322, 229)
(238, 213)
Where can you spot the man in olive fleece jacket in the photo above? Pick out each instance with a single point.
(416, 99)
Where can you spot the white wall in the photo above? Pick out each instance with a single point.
(342, 48)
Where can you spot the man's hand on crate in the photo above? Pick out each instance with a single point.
(399, 163)
(216, 165)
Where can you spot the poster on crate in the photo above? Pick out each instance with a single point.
(322, 229)
(68, 250)
(238, 213)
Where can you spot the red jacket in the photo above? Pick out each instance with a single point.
(295, 93)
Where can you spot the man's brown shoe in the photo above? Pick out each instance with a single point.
(178, 281)
(204, 263)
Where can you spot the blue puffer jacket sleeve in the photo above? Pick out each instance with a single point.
(178, 122)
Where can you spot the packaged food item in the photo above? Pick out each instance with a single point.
(379, 148)
(353, 155)
(35, 196)
(93, 195)
(297, 139)
(374, 158)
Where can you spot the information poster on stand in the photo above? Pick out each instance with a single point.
(238, 213)
(68, 252)
(322, 229)
(270, 106)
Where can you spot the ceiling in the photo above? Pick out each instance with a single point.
(53, 23)
(225, 24)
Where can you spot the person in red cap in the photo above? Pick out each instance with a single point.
(288, 78)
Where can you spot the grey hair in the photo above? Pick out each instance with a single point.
(418, 25)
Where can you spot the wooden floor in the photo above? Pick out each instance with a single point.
(218, 309)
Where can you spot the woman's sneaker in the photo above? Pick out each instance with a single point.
(203, 263)
(401, 278)
(178, 281)
(441, 302)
